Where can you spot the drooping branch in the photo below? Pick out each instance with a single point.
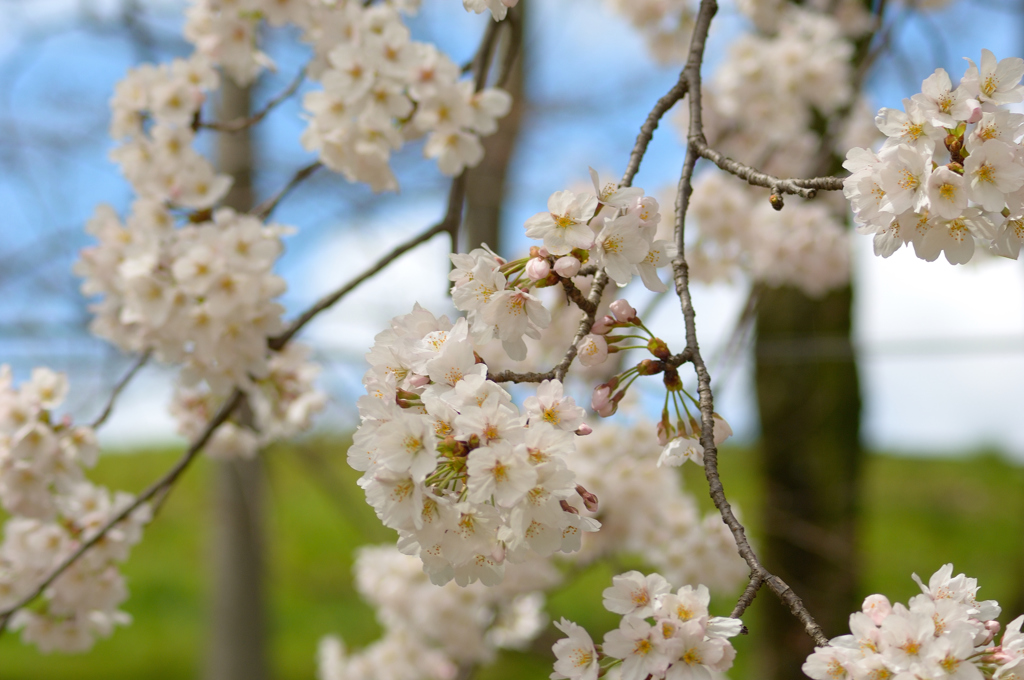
(239, 124)
(680, 269)
(118, 388)
(264, 209)
(449, 224)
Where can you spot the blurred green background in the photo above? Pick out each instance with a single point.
(918, 514)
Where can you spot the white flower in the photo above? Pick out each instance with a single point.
(947, 195)
(634, 594)
(592, 350)
(992, 172)
(564, 226)
(550, 406)
(576, 658)
(994, 82)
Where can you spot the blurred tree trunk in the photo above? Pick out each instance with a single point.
(485, 184)
(809, 403)
(238, 649)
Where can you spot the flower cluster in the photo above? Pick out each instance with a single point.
(662, 635)
(452, 464)
(381, 89)
(951, 169)
(613, 228)
(804, 245)
(153, 110)
(53, 509)
(430, 632)
(646, 512)
(282, 405)
(944, 633)
(665, 24)
(202, 294)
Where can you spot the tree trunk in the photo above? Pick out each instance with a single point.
(809, 403)
(238, 649)
(485, 184)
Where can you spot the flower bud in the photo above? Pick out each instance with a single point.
(974, 106)
(419, 380)
(602, 325)
(623, 311)
(650, 367)
(589, 499)
(672, 381)
(538, 268)
(877, 607)
(593, 350)
(665, 432)
(567, 266)
(601, 399)
(658, 348)
(583, 430)
(568, 508)
(498, 552)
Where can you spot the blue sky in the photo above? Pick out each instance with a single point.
(942, 347)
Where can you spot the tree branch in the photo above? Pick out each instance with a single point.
(118, 388)
(268, 206)
(806, 188)
(239, 124)
(449, 224)
(680, 270)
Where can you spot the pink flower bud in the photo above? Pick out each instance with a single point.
(665, 432)
(589, 499)
(542, 251)
(567, 266)
(602, 325)
(510, 3)
(974, 106)
(877, 607)
(584, 429)
(498, 553)
(538, 268)
(419, 380)
(601, 401)
(623, 311)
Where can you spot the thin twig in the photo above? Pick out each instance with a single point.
(239, 124)
(449, 224)
(806, 188)
(165, 482)
(118, 388)
(268, 206)
(681, 274)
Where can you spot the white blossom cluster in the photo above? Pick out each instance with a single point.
(645, 511)
(666, 25)
(803, 245)
(451, 463)
(951, 170)
(282, 405)
(944, 633)
(202, 295)
(152, 111)
(614, 228)
(53, 508)
(661, 635)
(760, 105)
(382, 89)
(430, 631)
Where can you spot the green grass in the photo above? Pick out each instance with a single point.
(918, 515)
